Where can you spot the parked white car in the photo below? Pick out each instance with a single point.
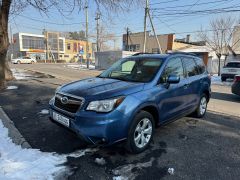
(23, 60)
(230, 70)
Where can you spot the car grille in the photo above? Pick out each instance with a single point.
(72, 105)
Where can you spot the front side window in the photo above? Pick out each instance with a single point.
(174, 67)
(191, 67)
(133, 69)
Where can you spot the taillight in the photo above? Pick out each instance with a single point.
(237, 79)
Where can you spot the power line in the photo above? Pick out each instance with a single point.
(49, 22)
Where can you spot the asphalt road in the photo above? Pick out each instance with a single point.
(205, 148)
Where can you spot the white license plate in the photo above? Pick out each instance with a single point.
(61, 119)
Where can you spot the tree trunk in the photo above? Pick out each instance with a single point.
(4, 42)
(219, 65)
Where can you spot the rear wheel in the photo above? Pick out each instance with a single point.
(202, 107)
(140, 133)
(19, 62)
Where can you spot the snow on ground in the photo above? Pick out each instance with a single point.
(100, 161)
(18, 163)
(125, 172)
(217, 80)
(44, 111)
(20, 75)
(80, 66)
(12, 87)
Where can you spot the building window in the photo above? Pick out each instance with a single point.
(66, 56)
(133, 47)
(32, 42)
(68, 46)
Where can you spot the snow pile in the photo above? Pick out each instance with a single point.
(100, 161)
(20, 75)
(18, 163)
(171, 171)
(80, 66)
(125, 172)
(82, 152)
(44, 111)
(215, 79)
(12, 87)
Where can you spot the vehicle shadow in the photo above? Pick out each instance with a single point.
(225, 97)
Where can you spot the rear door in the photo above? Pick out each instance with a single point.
(173, 101)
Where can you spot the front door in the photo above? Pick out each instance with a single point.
(173, 98)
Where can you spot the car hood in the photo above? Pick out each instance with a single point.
(101, 87)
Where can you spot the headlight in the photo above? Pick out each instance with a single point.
(105, 105)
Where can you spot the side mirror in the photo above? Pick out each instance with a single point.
(173, 79)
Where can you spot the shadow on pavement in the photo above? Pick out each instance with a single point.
(225, 97)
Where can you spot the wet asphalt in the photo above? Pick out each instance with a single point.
(207, 148)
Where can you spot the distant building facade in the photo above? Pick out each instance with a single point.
(134, 42)
(49, 46)
(236, 40)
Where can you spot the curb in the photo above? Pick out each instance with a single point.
(13, 133)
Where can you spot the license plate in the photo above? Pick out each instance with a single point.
(61, 119)
(232, 70)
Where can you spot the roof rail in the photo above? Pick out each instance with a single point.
(179, 52)
(142, 53)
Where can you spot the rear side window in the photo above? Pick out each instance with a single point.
(233, 65)
(174, 67)
(190, 66)
(200, 65)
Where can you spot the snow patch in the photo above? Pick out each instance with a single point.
(215, 79)
(80, 66)
(125, 172)
(171, 171)
(18, 163)
(82, 152)
(44, 111)
(100, 161)
(20, 75)
(12, 87)
(118, 178)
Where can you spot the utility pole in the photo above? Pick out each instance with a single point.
(127, 43)
(147, 14)
(97, 19)
(159, 46)
(12, 43)
(87, 45)
(145, 25)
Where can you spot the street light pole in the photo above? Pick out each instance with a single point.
(87, 45)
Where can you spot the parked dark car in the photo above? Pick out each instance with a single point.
(132, 97)
(236, 85)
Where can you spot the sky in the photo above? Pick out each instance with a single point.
(169, 16)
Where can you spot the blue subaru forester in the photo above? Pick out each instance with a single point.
(132, 97)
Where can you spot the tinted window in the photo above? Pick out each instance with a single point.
(190, 65)
(200, 65)
(174, 67)
(233, 65)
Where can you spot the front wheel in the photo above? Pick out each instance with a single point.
(141, 132)
(202, 107)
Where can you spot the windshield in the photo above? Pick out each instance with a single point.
(233, 65)
(133, 69)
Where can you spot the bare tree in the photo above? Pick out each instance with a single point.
(219, 37)
(12, 7)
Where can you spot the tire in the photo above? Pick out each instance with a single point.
(140, 133)
(32, 62)
(18, 62)
(202, 107)
(223, 78)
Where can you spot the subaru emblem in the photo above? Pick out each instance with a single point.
(64, 100)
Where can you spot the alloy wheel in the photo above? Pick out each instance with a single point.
(143, 133)
(203, 105)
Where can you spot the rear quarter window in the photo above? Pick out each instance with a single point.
(200, 65)
(190, 66)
